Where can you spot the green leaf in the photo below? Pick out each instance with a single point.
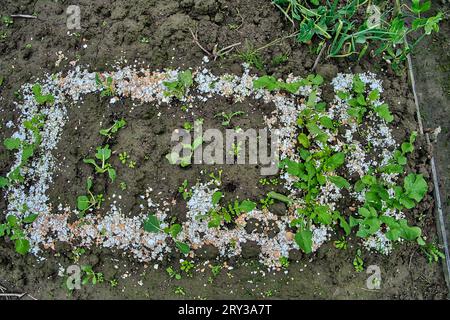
(407, 232)
(267, 82)
(303, 140)
(197, 143)
(383, 112)
(374, 95)
(216, 197)
(326, 122)
(340, 182)
(183, 247)
(112, 174)
(152, 224)
(30, 218)
(344, 225)
(247, 206)
(303, 238)
(174, 230)
(173, 157)
(323, 214)
(12, 143)
(103, 154)
(335, 161)
(358, 85)
(83, 203)
(4, 182)
(22, 246)
(416, 187)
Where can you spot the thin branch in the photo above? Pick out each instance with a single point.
(319, 57)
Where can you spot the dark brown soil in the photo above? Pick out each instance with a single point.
(114, 31)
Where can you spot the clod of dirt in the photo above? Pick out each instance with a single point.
(250, 250)
(328, 71)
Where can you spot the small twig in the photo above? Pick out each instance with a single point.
(24, 16)
(215, 53)
(319, 57)
(195, 37)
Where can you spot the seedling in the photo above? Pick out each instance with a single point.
(184, 190)
(113, 129)
(236, 149)
(106, 84)
(341, 244)
(113, 283)
(358, 262)
(220, 215)
(123, 186)
(27, 149)
(187, 267)
(252, 57)
(432, 252)
(91, 276)
(179, 87)
(279, 59)
(180, 291)
(40, 98)
(123, 157)
(266, 202)
(77, 253)
(268, 182)
(152, 224)
(7, 20)
(173, 274)
(13, 229)
(86, 202)
(399, 160)
(284, 261)
(217, 179)
(132, 164)
(185, 161)
(103, 154)
(227, 117)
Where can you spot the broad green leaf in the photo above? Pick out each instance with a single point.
(216, 197)
(407, 232)
(303, 238)
(335, 161)
(340, 182)
(173, 157)
(112, 174)
(383, 112)
(415, 186)
(174, 230)
(326, 122)
(12, 143)
(152, 224)
(303, 139)
(22, 246)
(4, 182)
(183, 247)
(103, 154)
(247, 206)
(30, 218)
(83, 203)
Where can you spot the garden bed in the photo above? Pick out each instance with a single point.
(120, 67)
